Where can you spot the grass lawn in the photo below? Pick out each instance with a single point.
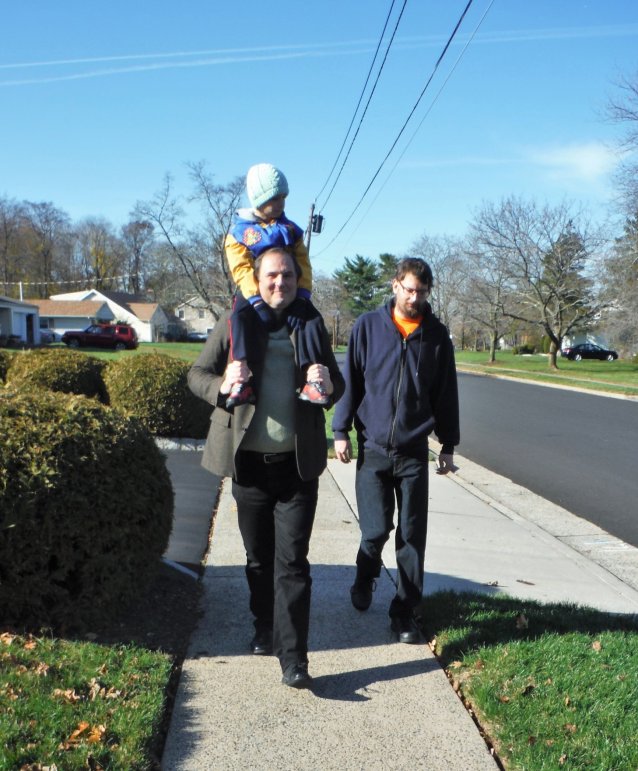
(552, 686)
(620, 376)
(77, 705)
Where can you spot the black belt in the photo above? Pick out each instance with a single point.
(269, 457)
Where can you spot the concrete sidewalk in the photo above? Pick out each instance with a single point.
(376, 704)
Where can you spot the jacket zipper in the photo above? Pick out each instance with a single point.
(396, 405)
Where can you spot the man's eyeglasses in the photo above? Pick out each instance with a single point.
(421, 294)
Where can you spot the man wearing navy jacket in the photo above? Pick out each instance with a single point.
(400, 386)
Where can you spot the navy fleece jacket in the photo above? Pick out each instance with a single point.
(399, 390)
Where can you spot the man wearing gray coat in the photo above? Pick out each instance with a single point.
(274, 451)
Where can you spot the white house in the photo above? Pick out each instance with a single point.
(149, 320)
(194, 313)
(20, 320)
(58, 316)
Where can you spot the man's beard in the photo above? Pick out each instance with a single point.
(410, 311)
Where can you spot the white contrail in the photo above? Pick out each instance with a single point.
(304, 48)
(217, 57)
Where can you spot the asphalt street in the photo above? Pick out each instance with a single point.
(578, 450)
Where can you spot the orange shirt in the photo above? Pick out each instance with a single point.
(406, 326)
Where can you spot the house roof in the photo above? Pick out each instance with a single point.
(143, 311)
(13, 301)
(131, 303)
(61, 308)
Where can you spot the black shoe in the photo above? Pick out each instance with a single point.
(240, 393)
(261, 644)
(361, 592)
(406, 629)
(296, 676)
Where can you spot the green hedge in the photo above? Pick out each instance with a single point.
(86, 508)
(57, 369)
(154, 389)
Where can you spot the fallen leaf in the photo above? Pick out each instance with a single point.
(42, 669)
(455, 665)
(7, 638)
(75, 738)
(68, 695)
(597, 645)
(504, 699)
(30, 645)
(97, 734)
(568, 701)
(562, 760)
(570, 728)
(531, 740)
(521, 621)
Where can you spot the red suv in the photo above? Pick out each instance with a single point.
(117, 336)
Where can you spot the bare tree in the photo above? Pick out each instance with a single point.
(446, 258)
(137, 237)
(546, 252)
(11, 217)
(197, 252)
(48, 229)
(486, 292)
(623, 109)
(100, 253)
(620, 279)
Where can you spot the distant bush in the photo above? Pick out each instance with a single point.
(6, 357)
(154, 389)
(86, 509)
(519, 350)
(57, 369)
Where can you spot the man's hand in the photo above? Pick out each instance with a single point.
(318, 373)
(343, 450)
(445, 464)
(236, 372)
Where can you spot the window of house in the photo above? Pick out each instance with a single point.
(181, 314)
(200, 313)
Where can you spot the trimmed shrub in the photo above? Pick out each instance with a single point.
(86, 508)
(154, 389)
(57, 369)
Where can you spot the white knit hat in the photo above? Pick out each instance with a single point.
(264, 182)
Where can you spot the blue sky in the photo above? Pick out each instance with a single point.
(101, 99)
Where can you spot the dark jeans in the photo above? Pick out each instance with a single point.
(276, 511)
(380, 479)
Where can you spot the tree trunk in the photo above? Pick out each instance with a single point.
(493, 342)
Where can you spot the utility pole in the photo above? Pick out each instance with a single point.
(315, 225)
(309, 228)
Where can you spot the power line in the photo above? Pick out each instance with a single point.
(427, 112)
(403, 127)
(354, 115)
